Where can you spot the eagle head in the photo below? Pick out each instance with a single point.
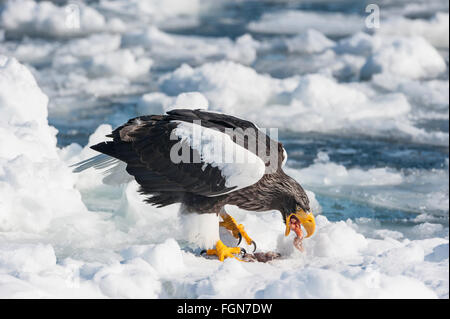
(295, 209)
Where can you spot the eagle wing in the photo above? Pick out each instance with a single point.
(165, 157)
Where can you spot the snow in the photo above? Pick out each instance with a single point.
(192, 49)
(295, 21)
(162, 12)
(100, 43)
(227, 85)
(435, 30)
(45, 18)
(166, 258)
(122, 63)
(312, 41)
(67, 235)
(159, 103)
(397, 57)
(130, 267)
(412, 58)
(26, 258)
(327, 173)
(191, 100)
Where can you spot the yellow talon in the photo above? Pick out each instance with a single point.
(230, 223)
(223, 251)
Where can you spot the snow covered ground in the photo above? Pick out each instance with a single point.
(363, 114)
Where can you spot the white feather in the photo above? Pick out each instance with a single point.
(200, 229)
(238, 166)
(115, 170)
(117, 174)
(285, 156)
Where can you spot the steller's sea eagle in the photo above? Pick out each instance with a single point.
(206, 160)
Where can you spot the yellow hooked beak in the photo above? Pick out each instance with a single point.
(306, 219)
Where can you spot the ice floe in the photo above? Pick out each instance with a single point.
(47, 19)
(69, 235)
(296, 21)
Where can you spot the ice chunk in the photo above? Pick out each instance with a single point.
(168, 47)
(28, 258)
(133, 279)
(311, 41)
(166, 258)
(121, 62)
(156, 11)
(227, 85)
(159, 103)
(295, 21)
(31, 172)
(412, 58)
(45, 18)
(435, 30)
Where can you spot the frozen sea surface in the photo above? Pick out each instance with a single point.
(363, 114)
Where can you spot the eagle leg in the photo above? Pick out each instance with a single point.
(236, 229)
(223, 251)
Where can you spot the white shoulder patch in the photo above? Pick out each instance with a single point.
(285, 156)
(238, 166)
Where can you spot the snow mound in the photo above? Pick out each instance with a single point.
(427, 95)
(164, 46)
(28, 258)
(227, 85)
(326, 173)
(359, 43)
(167, 13)
(30, 170)
(134, 278)
(311, 41)
(336, 239)
(319, 96)
(323, 283)
(92, 45)
(412, 58)
(166, 258)
(435, 30)
(159, 103)
(121, 62)
(23, 125)
(294, 22)
(396, 56)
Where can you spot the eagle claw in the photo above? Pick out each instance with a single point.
(254, 246)
(240, 239)
(223, 251)
(253, 242)
(236, 229)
